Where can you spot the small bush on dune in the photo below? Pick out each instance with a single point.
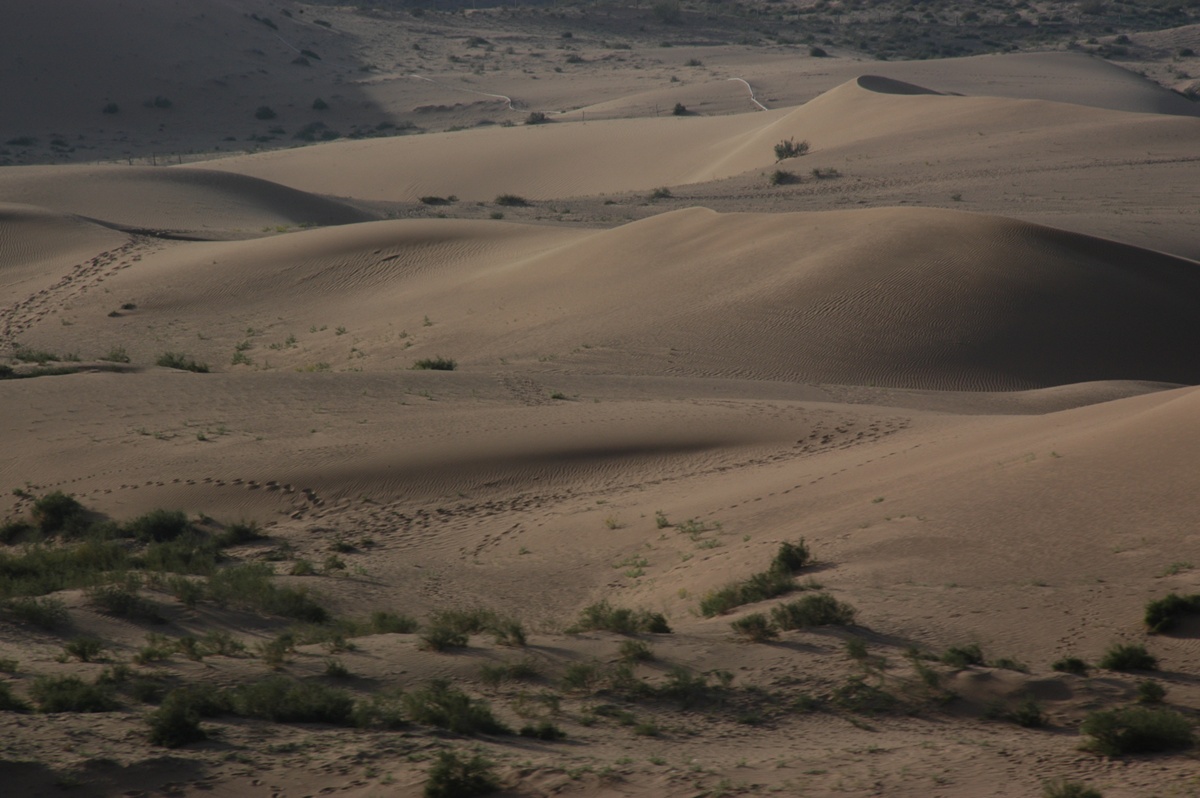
(70, 694)
(544, 730)
(442, 705)
(382, 622)
(758, 587)
(1128, 657)
(1137, 730)
(1073, 665)
(438, 363)
(44, 613)
(285, 700)
(963, 656)
(1061, 788)
(820, 609)
(442, 638)
(175, 360)
(57, 512)
(756, 628)
(453, 776)
(239, 533)
(790, 148)
(603, 616)
(1164, 614)
(511, 201)
(176, 723)
(10, 702)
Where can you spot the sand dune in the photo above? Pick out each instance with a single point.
(630, 155)
(171, 199)
(913, 298)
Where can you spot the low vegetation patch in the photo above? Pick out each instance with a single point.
(1128, 657)
(455, 776)
(71, 694)
(176, 360)
(438, 363)
(511, 201)
(777, 580)
(818, 609)
(1137, 730)
(790, 148)
(602, 616)
(1165, 614)
(442, 705)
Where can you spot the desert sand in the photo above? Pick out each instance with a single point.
(951, 347)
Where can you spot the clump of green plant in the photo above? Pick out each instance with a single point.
(635, 651)
(782, 177)
(438, 363)
(756, 628)
(1128, 657)
(124, 600)
(963, 656)
(494, 674)
(819, 609)
(454, 776)
(1164, 614)
(10, 702)
(536, 118)
(603, 616)
(176, 360)
(777, 580)
(249, 585)
(1073, 665)
(790, 148)
(1028, 714)
(1137, 730)
(176, 722)
(70, 694)
(1150, 692)
(689, 689)
(57, 513)
(442, 705)
(285, 700)
(1061, 788)
(84, 649)
(44, 613)
(660, 193)
(511, 201)
(543, 730)
(240, 533)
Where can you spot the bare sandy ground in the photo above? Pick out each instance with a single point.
(959, 363)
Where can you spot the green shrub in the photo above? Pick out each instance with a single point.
(790, 148)
(249, 586)
(1164, 614)
(442, 638)
(508, 632)
(1137, 730)
(453, 776)
(45, 613)
(782, 177)
(679, 110)
(1071, 665)
(963, 656)
(438, 363)
(511, 201)
(1150, 692)
(1128, 657)
(175, 360)
(855, 695)
(535, 118)
(57, 512)
(176, 723)
(84, 649)
(239, 533)
(123, 600)
(159, 526)
(285, 700)
(1028, 714)
(10, 702)
(545, 730)
(391, 623)
(1061, 788)
(819, 609)
(604, 617)
(691, 690)
(442, 705)
(70, 694)
(756, 628)
(791, 557)
(581, 676)
(635, 651)
(660, 193)
(758, 587)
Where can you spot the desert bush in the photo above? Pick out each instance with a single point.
(70, 694)
(756, 628)
(679, 110)
(441, 638)
(603, 616)
(442, 705)
(453, 776)
(1028, 714)
(855, 695)
(508, 632)
(545, 730)
(176, 360)
(302, 567)
(57, 512)
(820, 609)
(790, 148)
(1061, 788)
(265, 112)
(1150, 692)
(124, 600)
(535, 118)
(84, 649)
(438, 363)
(1073, 665)
(817, 52)
(320, 105)
(668, 12)
(285, 700)
(1137, 730)
(116, 354)
(16, 531)
(250, 586)
(660, 193)
(176, 723)
(10, 702)
(44, 613)
(581, 676)
(782, 177)
(758, 587)
(382, 622)
(690, 690)
(635, 651)
(963, 656)
(1128, 657)
(791, 557)
(511, 200)
(156, 649)
(1164, 614)
(825, 174)
(239, 533)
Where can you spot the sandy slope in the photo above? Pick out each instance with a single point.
(798, 369)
